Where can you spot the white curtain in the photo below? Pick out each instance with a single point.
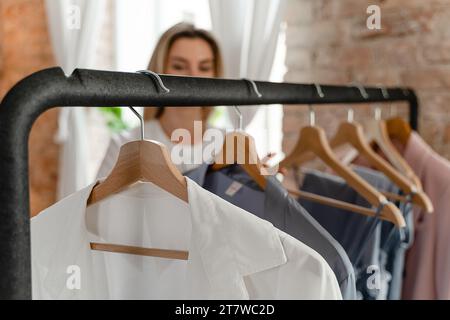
(74, 27)
(248, 33)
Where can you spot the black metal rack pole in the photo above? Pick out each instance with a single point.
(413, 105)
(49, 88)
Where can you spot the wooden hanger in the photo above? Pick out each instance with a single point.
(399, 129)
(248, 158)
(377, 132)
(313, 139)
(239, 148)
(352, 133)
(339, 204)
(308, 156)
(146, 161)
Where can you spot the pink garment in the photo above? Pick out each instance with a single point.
(427, 266)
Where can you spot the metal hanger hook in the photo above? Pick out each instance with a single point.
(319, 90)
(156, 77)
(384, 92)
(239, 114)
(312, 116)
(141, 120)
(377, 113)
(254, 86)
(312, 113)
(363, 91)
(350, 115)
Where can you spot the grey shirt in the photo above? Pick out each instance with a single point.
(384, 249)
(276, 206)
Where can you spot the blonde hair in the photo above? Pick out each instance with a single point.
(158, 61)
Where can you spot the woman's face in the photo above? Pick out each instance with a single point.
(188, 57)
(191, 57)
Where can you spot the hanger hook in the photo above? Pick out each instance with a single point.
(377, 113)
(384, 92)
(156, 77)
(363, 91)
(254, 86)
(141, 120)
(312, 113)
(239, 113)
(350, 115)
(312, 116)
(319, 90)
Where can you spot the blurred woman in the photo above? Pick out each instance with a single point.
(186, 51)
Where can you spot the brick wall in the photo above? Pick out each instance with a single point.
(328, 42)
(24, 49)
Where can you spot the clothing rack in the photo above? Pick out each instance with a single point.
(50, 88)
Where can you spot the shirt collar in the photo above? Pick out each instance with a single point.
(275, 195)
(231, 242)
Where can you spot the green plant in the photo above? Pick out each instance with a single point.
(114, 121)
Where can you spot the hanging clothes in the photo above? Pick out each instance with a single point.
(428, 261)
(384, 248)
(362, 237)
(394, 243)
(232, 253)
(349, 229)
(276, 206)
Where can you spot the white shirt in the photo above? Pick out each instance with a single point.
(153, 131)
(232, 253)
